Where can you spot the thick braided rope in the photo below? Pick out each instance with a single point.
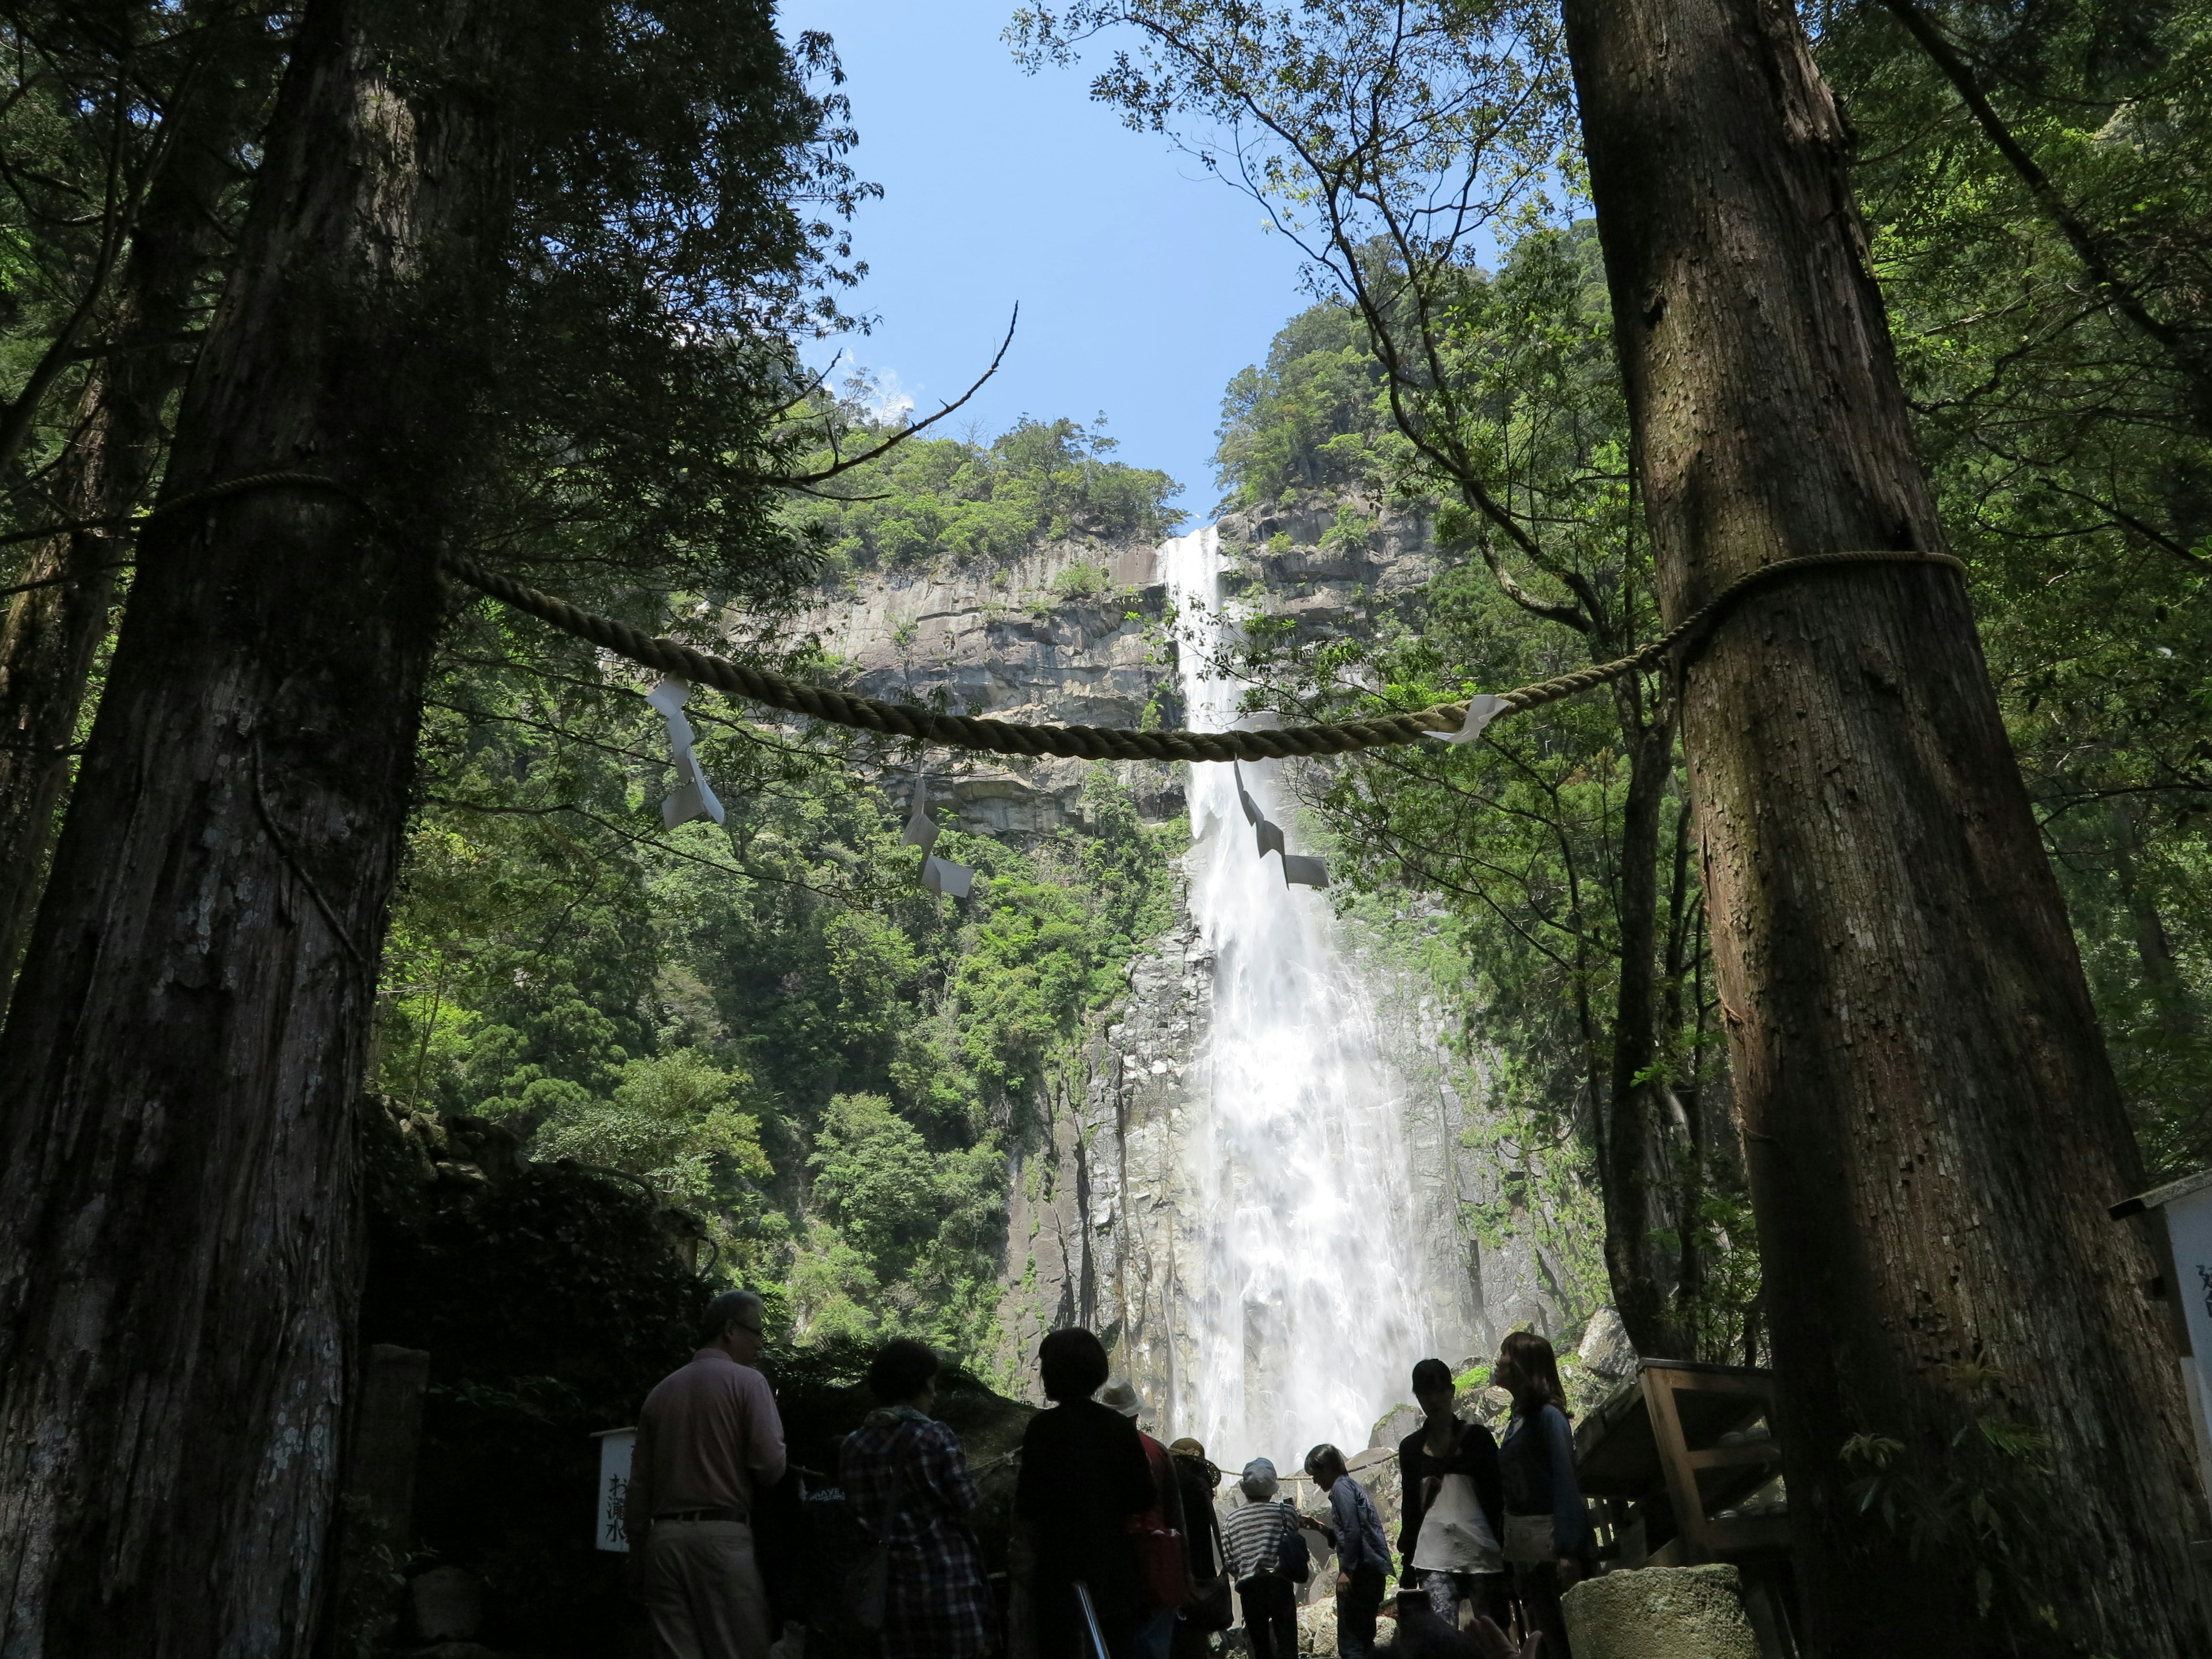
(1007, 737)
(955, 731)
(1111, 743)
(1689, 634)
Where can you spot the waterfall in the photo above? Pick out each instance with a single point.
(1306, 1313)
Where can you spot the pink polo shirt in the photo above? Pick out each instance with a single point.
(708, 1434)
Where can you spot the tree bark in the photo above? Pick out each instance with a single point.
(53, 632)
(180, 1072)
(1633, 1142)
(1933, 1125)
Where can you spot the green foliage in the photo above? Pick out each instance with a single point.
(949, 499)
(1520, 836)
(1312, 418)
(673, 1119)
(768, 1022)
(1976, 1506)
(2072, 450)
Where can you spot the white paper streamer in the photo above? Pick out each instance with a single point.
(942, 876)
(921, 831)
(693, 797)
(1480, 711)
(1268, 836)
(938, 875)
(1251, 807)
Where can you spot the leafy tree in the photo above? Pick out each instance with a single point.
(2065, 440)
(950, 499)
(1308, 420)
(1387, 140)
(485, 266)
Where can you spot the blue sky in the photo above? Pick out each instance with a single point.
(1144, 283)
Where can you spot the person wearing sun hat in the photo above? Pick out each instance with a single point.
(1156, 1635)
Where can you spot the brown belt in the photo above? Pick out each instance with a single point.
(735, 1512)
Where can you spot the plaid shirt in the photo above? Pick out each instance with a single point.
(938, 1603)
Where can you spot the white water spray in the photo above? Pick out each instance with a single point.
(1305, 1315)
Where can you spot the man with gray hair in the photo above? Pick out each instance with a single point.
(709, 1441)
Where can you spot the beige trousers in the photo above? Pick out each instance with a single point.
(704, 1590)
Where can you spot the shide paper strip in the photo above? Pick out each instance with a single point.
(942, 876)
(1251, 807)
(938, 875)
(1305, 872)
(1480, 711)
(693, 797)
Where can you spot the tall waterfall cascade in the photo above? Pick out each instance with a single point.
(1308, 1291)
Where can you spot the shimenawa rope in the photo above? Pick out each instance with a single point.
(1079, 742)
(1111, 742)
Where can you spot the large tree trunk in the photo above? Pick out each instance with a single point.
(1635, 1149)
(53, 632)
(179, 1075)
(1933, 1126)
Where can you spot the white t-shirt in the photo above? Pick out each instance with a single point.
(1455, 1535)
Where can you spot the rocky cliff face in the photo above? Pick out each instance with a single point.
(1104, 1228)
(1070, 635)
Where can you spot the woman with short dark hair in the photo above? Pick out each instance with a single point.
(1452, 1505)
(1547, 1536)
(1362, 1554)
(1084, 1478)
(906, 1477)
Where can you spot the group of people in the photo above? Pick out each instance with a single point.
(1118, 1544)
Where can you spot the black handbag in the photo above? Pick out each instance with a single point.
(867, 1585)
(1214, 1608)
(1292, 1559)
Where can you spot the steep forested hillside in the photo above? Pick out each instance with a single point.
(769, 1021)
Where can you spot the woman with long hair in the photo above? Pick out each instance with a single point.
(1548, 1535)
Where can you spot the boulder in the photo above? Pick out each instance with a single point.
(1395, 1425)
(1660, 1612)
(1605, 1347)
(1317, 1627)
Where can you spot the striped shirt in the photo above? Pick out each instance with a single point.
(1252, 1536)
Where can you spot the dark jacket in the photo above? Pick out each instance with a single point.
(1084, 1475)
(1538, 1462)
(1201, 1522)
(1477, 1456)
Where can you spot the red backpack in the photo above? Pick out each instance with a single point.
(1162, 1555)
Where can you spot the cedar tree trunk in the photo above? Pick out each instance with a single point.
(1634, 1140)
(52, 632)
(180, 1070)
(1933, 1126)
